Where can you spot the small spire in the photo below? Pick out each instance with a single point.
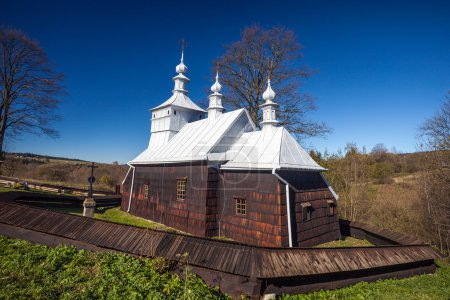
(216, 87)
(180, 79)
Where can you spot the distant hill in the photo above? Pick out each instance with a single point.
(61, 170)
(39, 156)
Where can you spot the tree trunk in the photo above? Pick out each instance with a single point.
(2, 135)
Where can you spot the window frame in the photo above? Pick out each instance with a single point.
(240, 206)
(331, 207)
(306, 211)
(146, 191)
(181, 186)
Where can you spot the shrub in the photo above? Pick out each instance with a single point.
(106, 179)
(382, 172)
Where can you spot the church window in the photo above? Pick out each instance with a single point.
(306, 211)
(154, 115)
(241, 206)
(181, 188)
(331, 205)
(174, 112)
(146, 191)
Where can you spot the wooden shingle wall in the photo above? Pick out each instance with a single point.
(309, 187)
(162, 205)
(265, 221)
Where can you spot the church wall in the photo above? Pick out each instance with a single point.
(126, 190)
(210, 205)
(264, 223)
(161, 205)
(310, 188)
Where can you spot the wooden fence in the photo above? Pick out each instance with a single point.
(235, 267)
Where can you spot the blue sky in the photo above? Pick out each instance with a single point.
(383, 66)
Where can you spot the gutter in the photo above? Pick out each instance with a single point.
(132, 186)
(336, 196)
(288, 205)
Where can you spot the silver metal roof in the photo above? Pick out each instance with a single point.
(180, 100)
(272, 147)
(232, 138)
(197, 139)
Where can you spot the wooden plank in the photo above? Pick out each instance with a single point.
(220, 256)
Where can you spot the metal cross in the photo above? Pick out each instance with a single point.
(183, 44)
(91, 179)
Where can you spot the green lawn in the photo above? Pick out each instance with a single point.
(346, 242)
(430, 286)
(114, 214)
(4, 189)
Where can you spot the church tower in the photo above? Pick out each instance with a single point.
(169, 117)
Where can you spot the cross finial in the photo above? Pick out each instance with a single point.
(183, 45)
(269, 72)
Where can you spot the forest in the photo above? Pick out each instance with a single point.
(409, 193)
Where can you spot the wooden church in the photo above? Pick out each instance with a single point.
(215, 174)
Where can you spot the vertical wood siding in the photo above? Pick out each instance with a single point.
(210, 209)
(264, 223)
(311, 188)
(162, 206)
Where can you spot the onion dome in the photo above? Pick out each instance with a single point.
(216, 87)
(269, 108)
(181, 80)
(181, 68)
(215, 108)
(268, 94)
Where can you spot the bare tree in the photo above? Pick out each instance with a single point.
(379, 148)
(435, 132)
(29, 87)
(276, 53)
(435, 182)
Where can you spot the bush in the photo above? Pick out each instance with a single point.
(105, 179)
(382, 172)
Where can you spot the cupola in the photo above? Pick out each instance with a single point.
(215, 108)
(269, 107)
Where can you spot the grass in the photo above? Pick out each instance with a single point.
(346, 242)
(429, 286)
(5, 189)
(222, 238)
(114, 214)
(29, 271)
